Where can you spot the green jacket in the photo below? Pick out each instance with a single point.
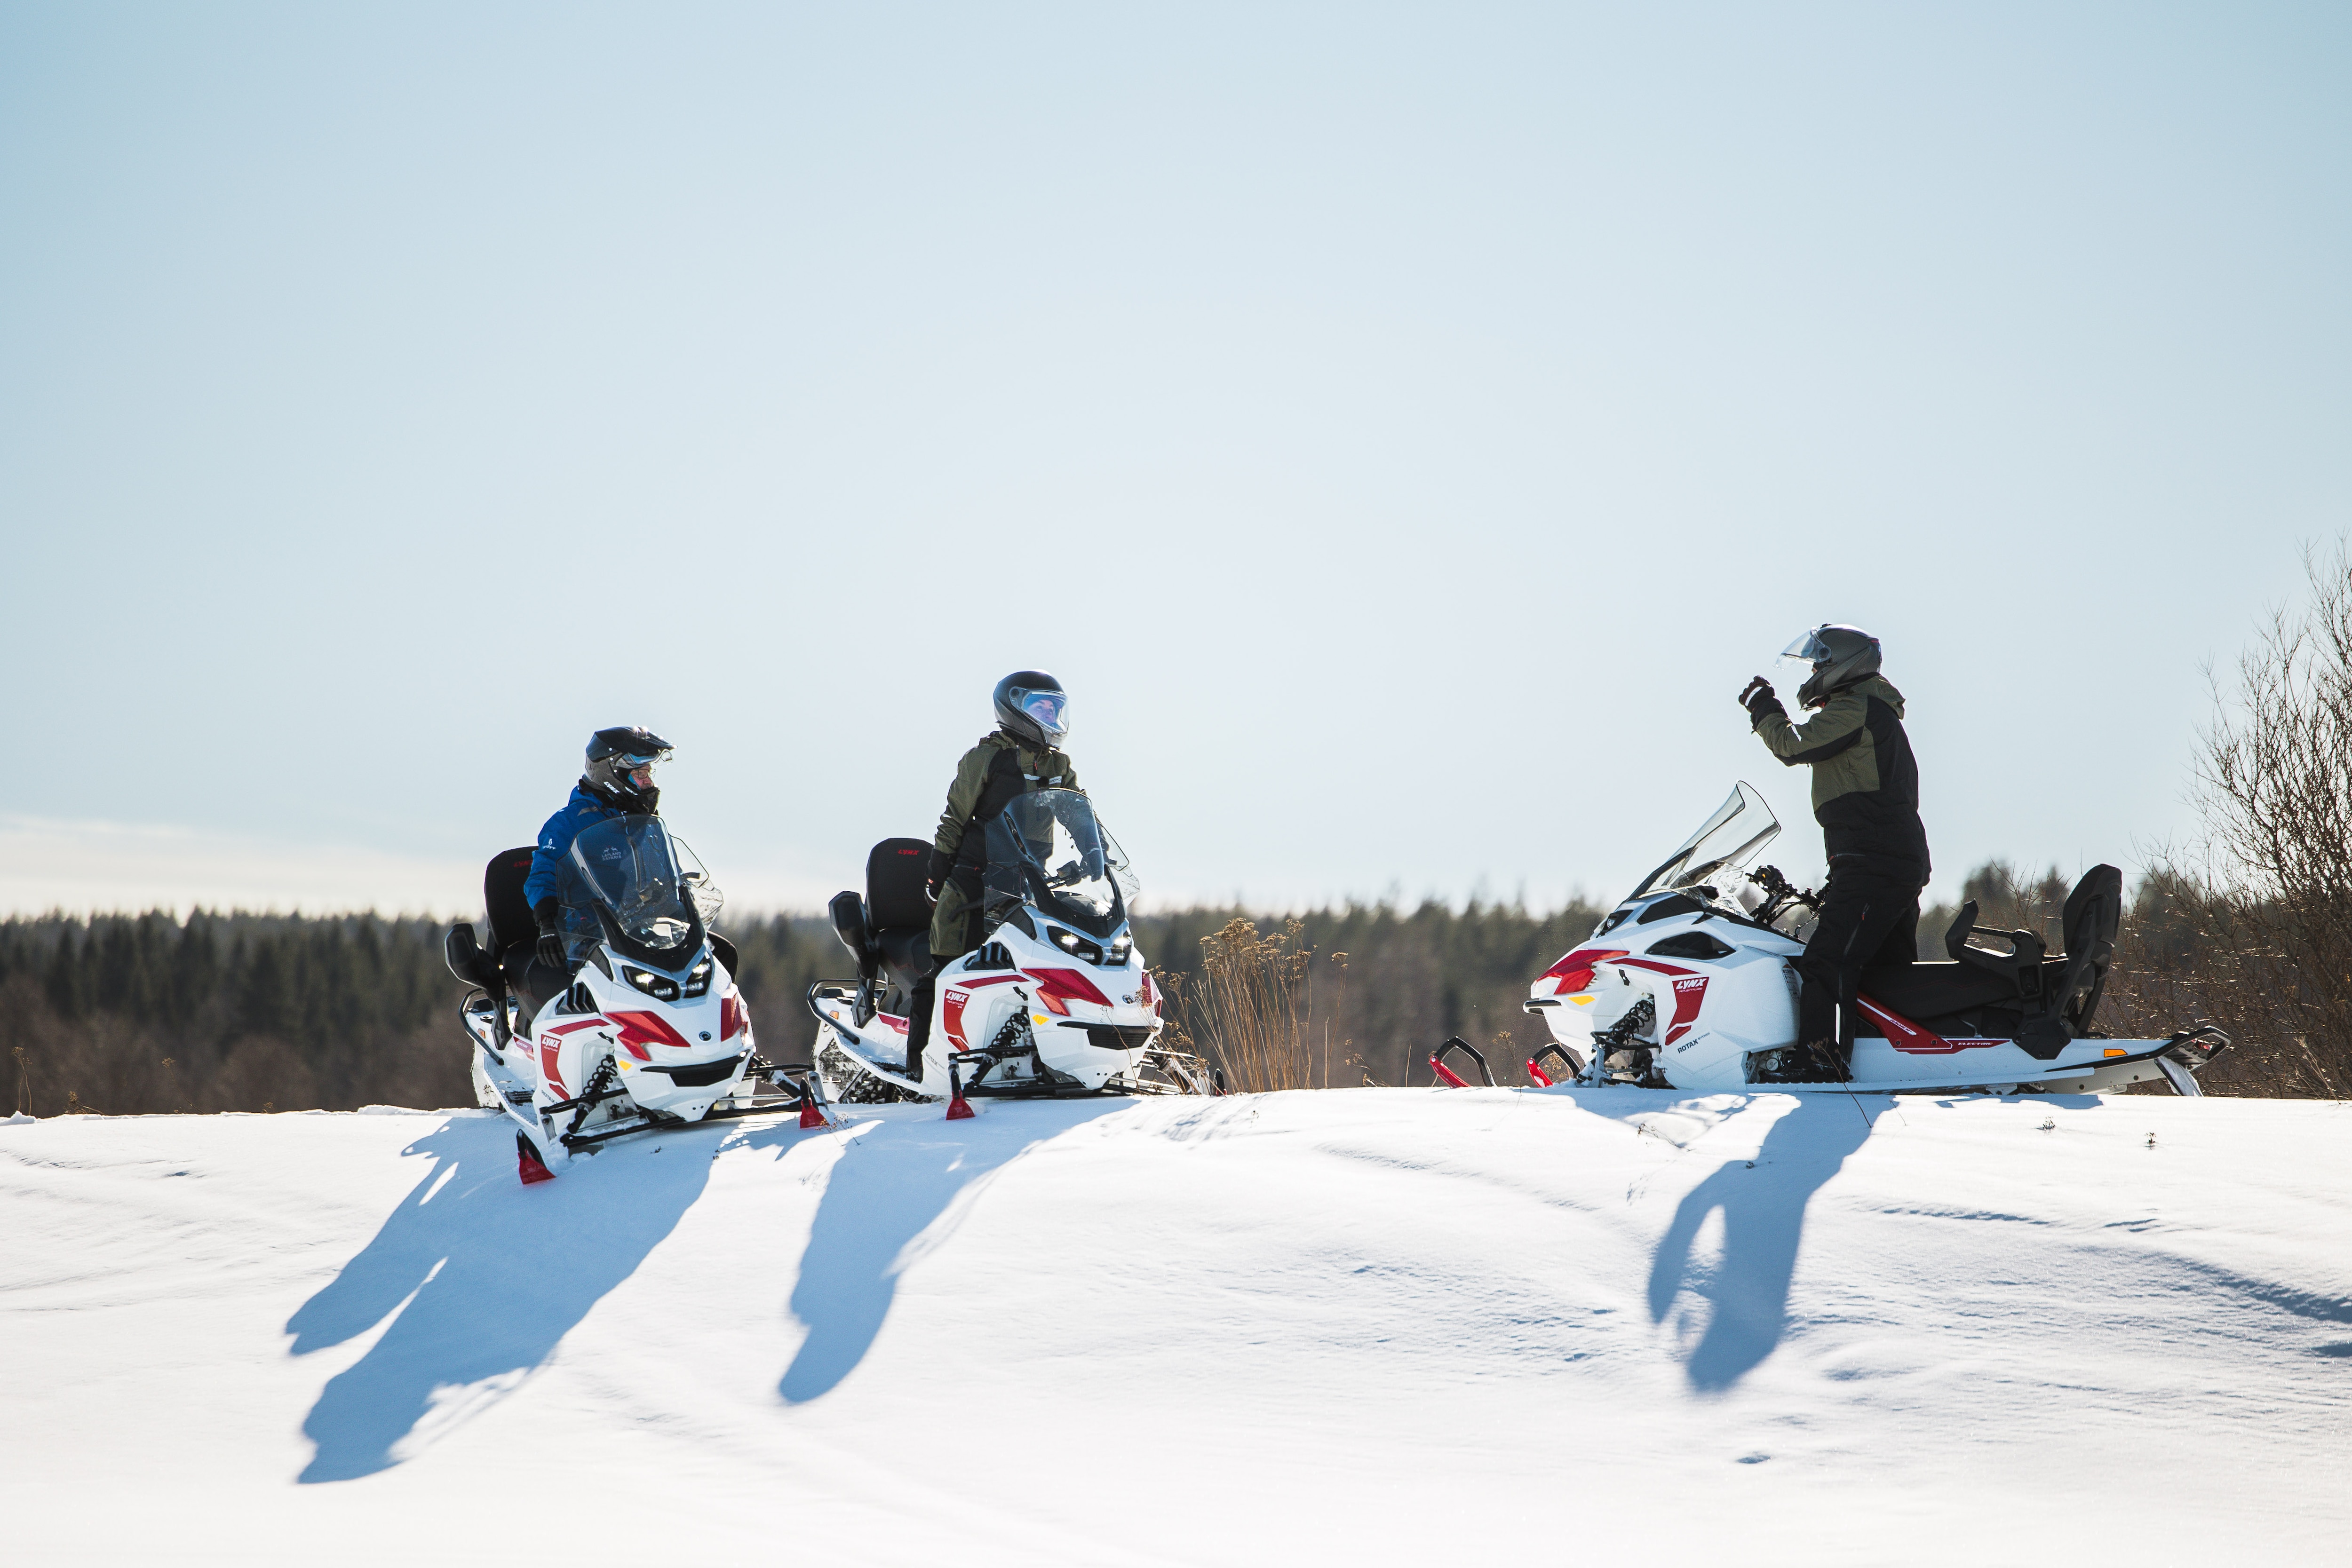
(955, 869)
(1865, 782)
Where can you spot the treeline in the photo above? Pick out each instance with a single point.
(246, 1012)
(135, 1014)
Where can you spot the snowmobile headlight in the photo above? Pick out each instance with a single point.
(661, 987)
(697, 979)
(1120, 946)
(1077, 946)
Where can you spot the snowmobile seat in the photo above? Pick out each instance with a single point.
(1929, 988)
(898, 913)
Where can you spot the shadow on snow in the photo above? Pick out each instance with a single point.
(493, 1275)
(481, 1276)
(890, 1186)
(1763, 1204)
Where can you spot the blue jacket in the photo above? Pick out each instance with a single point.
(548, 860)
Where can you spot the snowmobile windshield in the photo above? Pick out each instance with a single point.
(1047, 848)
(1730, 838)
(656, 890)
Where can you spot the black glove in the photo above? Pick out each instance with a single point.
(550, 940)
(1757, 697)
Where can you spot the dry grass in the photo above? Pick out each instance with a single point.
(1246, 1010)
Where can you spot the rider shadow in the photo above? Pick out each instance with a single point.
(486, 1276)
(1763, 1203)
(889, 1188)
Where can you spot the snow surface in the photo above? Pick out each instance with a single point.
(1358, 1326)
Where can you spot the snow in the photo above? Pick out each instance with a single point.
(1362, 1326)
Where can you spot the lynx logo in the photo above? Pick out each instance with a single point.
(1690, 991)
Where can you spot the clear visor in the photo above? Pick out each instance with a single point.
(1048, 708)
(1808, 649)
(638, 768)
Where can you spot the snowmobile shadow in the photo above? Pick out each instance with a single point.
(1763, 1203)
(486, 1276)
(890, 1187)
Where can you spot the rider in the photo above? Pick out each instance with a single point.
(619, 781)
(1022, 754)
(1866, 799)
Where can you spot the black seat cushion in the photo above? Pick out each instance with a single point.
(1930, 988)
(896, 872)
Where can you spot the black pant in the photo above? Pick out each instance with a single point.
(1870, 916)
(920, 1006)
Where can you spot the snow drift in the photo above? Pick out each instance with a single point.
(1368, 1326)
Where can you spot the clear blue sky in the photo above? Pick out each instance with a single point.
(1404, 428)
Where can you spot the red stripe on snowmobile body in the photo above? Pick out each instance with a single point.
(1912, 1041)
(1059, 984)
(548, 1070)
(1690, 994)
(642, 1028)
(958, 996)
(733, 1017)
(893, 1021)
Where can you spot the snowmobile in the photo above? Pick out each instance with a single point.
(651, 1032)
(1056, 1001)
(1691, 984)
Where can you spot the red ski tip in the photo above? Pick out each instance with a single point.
(1537, 1073)
(531, 1168)
(959, 1109)
(812, 1115)
(1447, 1073)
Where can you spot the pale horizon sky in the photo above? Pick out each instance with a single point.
(1403, 428)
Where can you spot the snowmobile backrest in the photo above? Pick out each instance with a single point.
(502, 899)
(895, 874)
(2093, 913)
(2021, 966)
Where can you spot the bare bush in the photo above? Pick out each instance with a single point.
(2274, 781)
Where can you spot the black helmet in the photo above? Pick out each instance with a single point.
(621, 762)
(1840, 656)
(1032, 706)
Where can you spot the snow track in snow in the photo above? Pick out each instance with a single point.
(1356, 1326)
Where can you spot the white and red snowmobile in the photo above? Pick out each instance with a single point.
(1690, 984)
(1056, 1001)
(651, 1030)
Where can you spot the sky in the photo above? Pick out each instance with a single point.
(1402, 428)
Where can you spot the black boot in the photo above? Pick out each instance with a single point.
(918, 1021)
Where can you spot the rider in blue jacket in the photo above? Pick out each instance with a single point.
(619, 782)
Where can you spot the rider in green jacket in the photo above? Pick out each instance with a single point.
(1022, 754)
(1866, 799)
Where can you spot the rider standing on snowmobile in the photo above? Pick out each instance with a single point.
(1022, 754)
(619, 781)
(1866, 799)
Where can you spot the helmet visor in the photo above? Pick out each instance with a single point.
(1050, 710)
(1810, 652)
(1808, 649)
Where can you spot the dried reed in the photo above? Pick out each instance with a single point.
(1244, 1010)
